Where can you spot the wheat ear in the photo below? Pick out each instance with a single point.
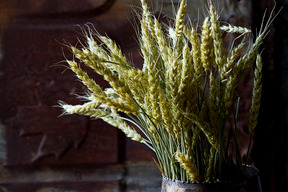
(186, 74)
(97, 50)
(178, 30)
(231, 60)
(206, 45)
(114, 50)
(138, 84)
(88, 109)
(153, 92)
(217, 38)
(118, 83)
(189, 167)
(164, 49)
(147, 17)
(205, 128)
(96, 90)
(117, 121)
(86, 80)
(256, 97)
(228, 97)
(235, 29)
(172, 86)
(192, 36)
(210, 164)
(166, 113)
(180, 18)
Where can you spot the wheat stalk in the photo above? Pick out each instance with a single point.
(182, 98)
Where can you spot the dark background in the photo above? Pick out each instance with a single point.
(40, 151)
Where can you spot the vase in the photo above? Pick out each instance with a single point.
(250, 183)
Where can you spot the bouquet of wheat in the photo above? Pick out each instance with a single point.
(180, 102)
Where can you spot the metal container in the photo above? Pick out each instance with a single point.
(251, 183)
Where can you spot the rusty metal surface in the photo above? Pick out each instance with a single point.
(248, 184)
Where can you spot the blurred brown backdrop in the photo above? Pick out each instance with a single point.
(40, 151)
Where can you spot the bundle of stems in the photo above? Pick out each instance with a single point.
(180, 103)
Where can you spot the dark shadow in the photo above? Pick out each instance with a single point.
(270, 149)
